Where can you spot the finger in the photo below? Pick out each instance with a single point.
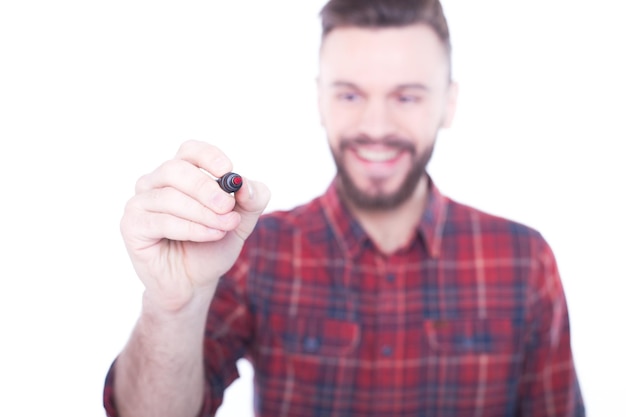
(147, 219)
(205, 156)
(171, 201)
(188, 179)
(252, 199)
(152, 227)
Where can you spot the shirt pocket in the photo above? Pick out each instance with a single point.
(312, 354)
(467, 336)
(320, 337)
(480, 357)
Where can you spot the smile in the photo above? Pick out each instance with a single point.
(377, 155)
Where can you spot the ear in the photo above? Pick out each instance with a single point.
(318, 84)
(451, 100)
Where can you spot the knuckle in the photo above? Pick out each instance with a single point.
(171, 169)
(192, 146)
(191, 208)
(190, 143)
(130, 207)
(131, 218)
(142, 184)
(200, 184)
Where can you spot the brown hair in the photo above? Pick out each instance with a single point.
(384, 14)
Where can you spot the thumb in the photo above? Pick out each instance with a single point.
(252, 200)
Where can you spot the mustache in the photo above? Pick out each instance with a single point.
(397, 142)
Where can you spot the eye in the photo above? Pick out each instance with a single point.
(348, 96)
(409, 98)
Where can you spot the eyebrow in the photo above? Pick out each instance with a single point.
(400, 87)
(416, 86)
(344, 84)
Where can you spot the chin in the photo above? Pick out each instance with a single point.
(377, 196)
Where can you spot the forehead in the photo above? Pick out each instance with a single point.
(383, 55)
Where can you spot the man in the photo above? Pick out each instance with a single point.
(382, 297)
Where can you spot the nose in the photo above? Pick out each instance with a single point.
(376, 119)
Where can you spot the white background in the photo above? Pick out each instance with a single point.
(93, 94)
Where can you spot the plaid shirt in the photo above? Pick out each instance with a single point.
(469, 319)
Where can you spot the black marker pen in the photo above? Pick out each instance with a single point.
(230, 182)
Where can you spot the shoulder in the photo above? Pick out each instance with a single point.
(493, 231)
(500, 245)
(464, 217)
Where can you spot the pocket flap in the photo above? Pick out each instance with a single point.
(471, 335)
(324, 337)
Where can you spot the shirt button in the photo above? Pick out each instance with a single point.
(387, 351)
(311, 344)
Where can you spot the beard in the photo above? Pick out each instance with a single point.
(381, 201)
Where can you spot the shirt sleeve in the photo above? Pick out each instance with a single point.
(549, 386)
(228, 333)
(108, 403)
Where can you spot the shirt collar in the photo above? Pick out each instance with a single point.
(433, 220)
(352, 237)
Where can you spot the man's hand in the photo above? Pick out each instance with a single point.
(182, 231)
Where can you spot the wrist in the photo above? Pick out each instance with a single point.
(162, 307)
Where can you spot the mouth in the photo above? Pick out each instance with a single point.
(377, 155)
(376, 160)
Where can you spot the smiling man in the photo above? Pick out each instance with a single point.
(382, 297)
(384, 92)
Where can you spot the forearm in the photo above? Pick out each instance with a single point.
(160, 371)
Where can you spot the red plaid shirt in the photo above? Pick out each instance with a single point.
(470, 319)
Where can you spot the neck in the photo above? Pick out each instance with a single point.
(393, 229)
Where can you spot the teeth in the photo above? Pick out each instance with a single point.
(376, 155)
